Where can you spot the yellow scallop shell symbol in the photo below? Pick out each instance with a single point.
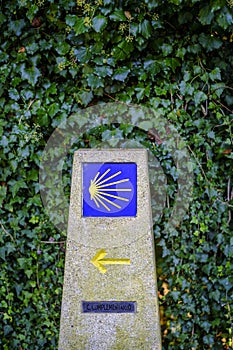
(101, 185)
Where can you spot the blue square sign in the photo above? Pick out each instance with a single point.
(109, 189)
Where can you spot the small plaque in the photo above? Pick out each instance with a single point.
(117, 307)
(109, 189)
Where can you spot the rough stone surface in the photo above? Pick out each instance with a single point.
(121, 237)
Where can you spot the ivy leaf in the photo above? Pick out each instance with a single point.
(118, 15)
(134, 28)
(215, 74)
(15, 186)
(82, 54)
(140, 93)
(30, 74)
(32, 11)
(86, 97)
(206, 14)
(166, 49)
(186, 88)
(152, 66)
(218, 88)
(103, 71)
(152, 4)
(122, 50)
(172, 62)
(62, 48)
(94, 81)
(71, 20)
(13, 93)
(7, 330)
(225, 18)
(199, 97)
(210, 42)
(146, 29)
(77, 24)
(211, 134)
(17, 26)
(121, 73)
(53, 109)
(99, 23)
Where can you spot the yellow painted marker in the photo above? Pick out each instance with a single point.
(99, 261)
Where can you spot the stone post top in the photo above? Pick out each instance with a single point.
(110, 189)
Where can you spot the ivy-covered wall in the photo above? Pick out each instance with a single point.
(59, 57)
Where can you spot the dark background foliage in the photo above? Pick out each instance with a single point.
(58, 57)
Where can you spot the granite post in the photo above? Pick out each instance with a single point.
(110, 289)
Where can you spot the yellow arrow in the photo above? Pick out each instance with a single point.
(99, 261)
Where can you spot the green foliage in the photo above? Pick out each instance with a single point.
(175, 56)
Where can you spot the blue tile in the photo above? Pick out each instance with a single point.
(109, 189)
